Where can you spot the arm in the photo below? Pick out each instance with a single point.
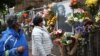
(5, 46)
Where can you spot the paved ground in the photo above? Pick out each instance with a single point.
(30, 48)
(55, 50)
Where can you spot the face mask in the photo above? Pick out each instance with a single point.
(43, 22)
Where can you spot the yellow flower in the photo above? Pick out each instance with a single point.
(52, 21)
(97, 18)
(90, 3)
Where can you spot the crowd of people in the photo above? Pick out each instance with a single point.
(20, 30)
(14, 39)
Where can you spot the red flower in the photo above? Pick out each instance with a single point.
(58, 33)
(25, 15)
(74, 2)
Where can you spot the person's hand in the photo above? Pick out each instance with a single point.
(20, 49)
(52, 34)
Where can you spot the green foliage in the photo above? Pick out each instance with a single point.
(8, 3)
(2, 28)
(67, 39)
(79, 15)
(78, 5)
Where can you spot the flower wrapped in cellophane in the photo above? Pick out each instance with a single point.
(57, 37)
(68, 39)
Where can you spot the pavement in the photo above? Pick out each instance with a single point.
(55, 50)
(30, 48)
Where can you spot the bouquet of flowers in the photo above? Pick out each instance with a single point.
(77, 17)
(58, 33)
(68, 39)
(57, 37)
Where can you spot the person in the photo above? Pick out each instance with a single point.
(41, 42)
(13, 41)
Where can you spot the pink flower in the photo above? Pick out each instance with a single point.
(59, 31)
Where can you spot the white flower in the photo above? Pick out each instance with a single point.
(76, 19)
(81, 20)
(65, 33)
(59, 31)
(99, 14)
(69, 41)
(69, 18)
(66, 21)
(97, 19)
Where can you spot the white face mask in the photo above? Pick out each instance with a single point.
(43, 22)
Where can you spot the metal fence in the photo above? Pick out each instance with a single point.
(90, 46)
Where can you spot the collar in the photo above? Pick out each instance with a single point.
(39, 27)
(13, 32)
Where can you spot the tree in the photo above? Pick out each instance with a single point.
(6, 4)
